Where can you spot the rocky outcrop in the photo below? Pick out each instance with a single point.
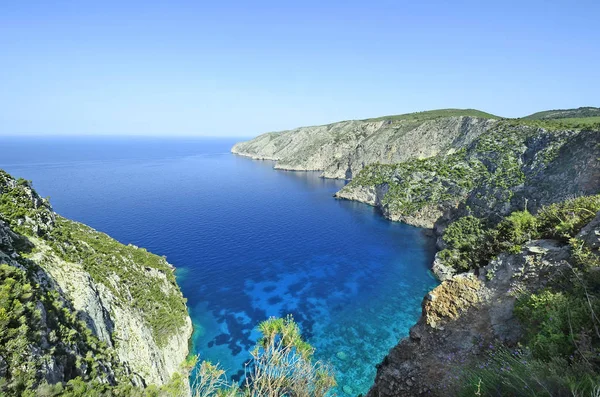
(126, 297)
(590, 234)
(120, 326)
(462, 317)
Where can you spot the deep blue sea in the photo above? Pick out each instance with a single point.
(248, 242)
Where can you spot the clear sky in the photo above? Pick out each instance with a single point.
(226, 68)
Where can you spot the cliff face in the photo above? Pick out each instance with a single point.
(342, 149)
(123, 321)
(422, 168)
(500, 171)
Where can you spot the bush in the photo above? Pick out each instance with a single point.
(465, 239)
(517, 228)
(465, 233)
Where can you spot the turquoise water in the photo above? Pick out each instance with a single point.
(249, 242)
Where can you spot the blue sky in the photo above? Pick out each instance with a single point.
(226, 68)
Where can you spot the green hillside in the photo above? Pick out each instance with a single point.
(439, 113)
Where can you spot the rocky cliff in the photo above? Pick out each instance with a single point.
(342, 149)
(419, 168)
(514, 244)
(81, 309)
(499, 171)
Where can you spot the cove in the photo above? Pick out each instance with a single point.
(248, 242)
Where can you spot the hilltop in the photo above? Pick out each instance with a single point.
(434, 114)
(582, 112)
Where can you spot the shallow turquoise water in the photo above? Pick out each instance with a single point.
(249, 242)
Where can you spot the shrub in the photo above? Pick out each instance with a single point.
(565, 219)
(465, 239)
(281, 365)
(465, 233)
(471, 244)
(517, 228)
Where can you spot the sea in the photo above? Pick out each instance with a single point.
(248, 243)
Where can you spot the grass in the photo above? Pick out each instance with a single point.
(591, 121)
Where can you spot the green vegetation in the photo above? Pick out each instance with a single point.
(582, 114)
(461, 237)
(562, 221)
(552, 317)
(281, 365)
(416, 183)
(501, 150)
(516, 372)
(575, 123)
(472, 243)
(573, 116)
(436, 114)
(580, 118)
(79, 387)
